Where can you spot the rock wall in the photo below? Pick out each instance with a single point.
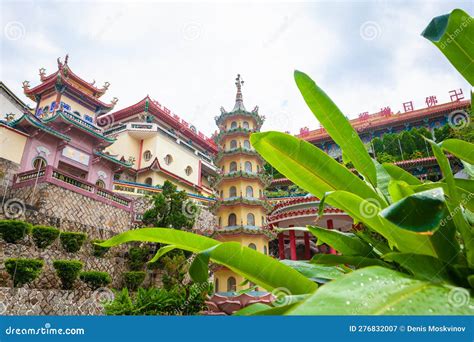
(7, 171)
(71, 210)
(24, 302)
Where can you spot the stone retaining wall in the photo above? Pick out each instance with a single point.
(24, 302)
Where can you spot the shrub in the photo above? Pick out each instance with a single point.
(23, 271)
(133, 279)
(13, 230)
(44, 236)
(95, 279)
(72, 241)
(98, 251)
(137, 256)
(67, 271)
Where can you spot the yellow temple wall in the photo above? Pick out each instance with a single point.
(15, 142)
(240, 122)
(241, 187)
(240, 160)
(241, 213)
(222, 275)
(125, 146)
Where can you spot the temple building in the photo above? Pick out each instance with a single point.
(241, 209)
(161, 146)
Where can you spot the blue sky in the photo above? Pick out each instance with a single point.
(365, 54)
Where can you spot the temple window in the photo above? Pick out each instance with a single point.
(220, 221)
(188, 170)
(260, 193)
(245, 124)
(232, 220)
(249, 191)
(250, 219)
(216, 285)
(233, 125)
(100, 184)
(265, 250)
(168, 159)
(247, 144)
(233, 144)
(39, 163)
(263, 220)
(248, 166)
(147, 155)
(231, 284)
(253, 246)
(233, 166)
(233, 191)
(148, 181)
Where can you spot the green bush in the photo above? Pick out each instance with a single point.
(95, 279)
(137, 257)
(98, 251)
(67, 271)
(72, 241)
(44, 236)
(133, 279)
(23, 271)
(13, 230)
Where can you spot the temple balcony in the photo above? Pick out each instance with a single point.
(62, 179)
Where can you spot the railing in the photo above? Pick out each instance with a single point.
(82, 122)
(62, 179)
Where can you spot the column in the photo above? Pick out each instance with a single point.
(281, 246)
(330, 225)
(307, 250)
(292, 245)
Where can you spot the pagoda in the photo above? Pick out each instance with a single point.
(64, 142)
(241, 207)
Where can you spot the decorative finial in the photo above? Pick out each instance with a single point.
(105, 86)
(60, 64)
(26, 85)
(114, 101)
(66, 59)
(239, 103)
(42, 73)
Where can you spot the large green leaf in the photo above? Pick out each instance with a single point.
(422, 266)
(318, 273)
(438, 244)
(260, 269)
(455, 202)
(162, 251)
(398, 173)
(462, 149)
(452, 34)
(345, 243)
(399, 189)
(307, 166)
(354, 260)
(383, 179)
(419, 212)
(337, 125)
(377, 290)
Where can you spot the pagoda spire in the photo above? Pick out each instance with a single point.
(239, 102)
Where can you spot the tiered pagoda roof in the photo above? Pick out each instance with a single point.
(382, 120)
(162, 113)
(65, 80)
(239, 109)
